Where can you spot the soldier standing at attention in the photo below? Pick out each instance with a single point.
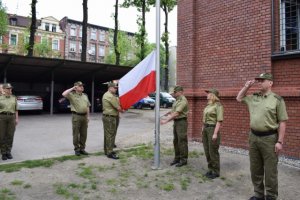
(212, 120)
(179, 113)
(8, 120)
(110, 119)
(80, 116)
(268, 118)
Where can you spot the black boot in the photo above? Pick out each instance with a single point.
(4, 157)
(9, 156)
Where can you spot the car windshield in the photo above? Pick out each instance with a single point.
(167, 95)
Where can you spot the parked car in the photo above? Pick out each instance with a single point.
(166, 100)
(146, 102)
(64, 105)
(30, 102)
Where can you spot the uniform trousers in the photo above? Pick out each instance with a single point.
(211, 149)
(263, 165)
(110, 125)
(79, 126)
(180, 140)
(7, 132)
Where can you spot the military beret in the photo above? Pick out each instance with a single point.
(112, 84)
(178, 88)
(78, 83)
(7, 86)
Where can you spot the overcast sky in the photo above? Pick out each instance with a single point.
(99, 13)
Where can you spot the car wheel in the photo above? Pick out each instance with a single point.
(139, 106)
(152, 107)
(165, 105)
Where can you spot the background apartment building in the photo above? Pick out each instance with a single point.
(98, 44)
(49, 38)
(223, 44)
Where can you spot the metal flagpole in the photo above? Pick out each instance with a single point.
(157, 102)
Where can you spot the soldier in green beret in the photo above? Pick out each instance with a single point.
(110, 119)
(8, 120)
(80, 116)
(178, 114)
(212, 120)
(268, 118)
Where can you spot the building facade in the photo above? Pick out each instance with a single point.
(49, 38)
(223, 44)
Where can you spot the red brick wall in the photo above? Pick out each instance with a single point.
(223, 44)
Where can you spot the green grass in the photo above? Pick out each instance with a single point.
(27, 186)
(6, 194)
(17, 182)
(167, 186)
(184, 182)
(87, 172)
(62, 190)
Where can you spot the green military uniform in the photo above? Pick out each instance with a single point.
(79, 108)
(212, 114)
(8, 108)
(266, 111)
(180, 126)
(110, 103)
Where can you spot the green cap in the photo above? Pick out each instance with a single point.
(213, 91)
(265, 76)
(112, 84)
(178, 88)
(78, 83)
(7, 86)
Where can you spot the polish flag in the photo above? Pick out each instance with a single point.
(138, 82)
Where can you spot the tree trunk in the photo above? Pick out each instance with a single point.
(32, 28)
(84, 30)
(117, 52)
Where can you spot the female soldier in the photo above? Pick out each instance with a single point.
(8, 120)
(212, 119)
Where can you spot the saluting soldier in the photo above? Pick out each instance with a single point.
(110, 119)
(8, 120)
(179, 113)
(268, 118)
(80, 104)
(212, 121)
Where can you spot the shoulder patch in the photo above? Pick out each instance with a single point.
(256, 93)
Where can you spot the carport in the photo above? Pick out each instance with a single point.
(54, 72)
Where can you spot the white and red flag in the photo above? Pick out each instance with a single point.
(138, 82)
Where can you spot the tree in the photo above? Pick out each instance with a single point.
(167, 6)
(32, 28)
(3, 20)
(117, 52)
(84, 30)
(126, 48)
(143, 7)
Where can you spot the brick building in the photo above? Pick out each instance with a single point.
(223, 44)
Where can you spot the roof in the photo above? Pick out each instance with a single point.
(35, 69)
(21, 20)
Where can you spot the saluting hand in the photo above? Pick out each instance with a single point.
(248, 84)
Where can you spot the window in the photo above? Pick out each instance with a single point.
(93, 34)
(13, 21)
(289, 25)
(80, 32)
(92, 49)
(55, 44)
(80, 47)
(47, 26)
(72, 46)
(102, 36)
(73, 31)
(101, 50)
(53, 28)
(13, 39)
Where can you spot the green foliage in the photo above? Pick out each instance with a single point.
(17, 182)
(43, 49)
(3, 20)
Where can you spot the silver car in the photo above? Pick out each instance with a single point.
(30, 102)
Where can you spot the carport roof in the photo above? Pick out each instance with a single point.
(34, 69)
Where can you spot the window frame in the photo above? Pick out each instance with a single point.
(10, 41)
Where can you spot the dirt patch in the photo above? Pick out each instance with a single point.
(131, 177)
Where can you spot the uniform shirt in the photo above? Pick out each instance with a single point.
(79, 102)
(266, 111)
(213, 113)
(181, 106)
(8, 103)
(110, 103)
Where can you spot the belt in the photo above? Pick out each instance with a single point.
(183, 118)
(109, 115)
(263, 133)
(7, 113)
(78, 113)
(209, 125)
